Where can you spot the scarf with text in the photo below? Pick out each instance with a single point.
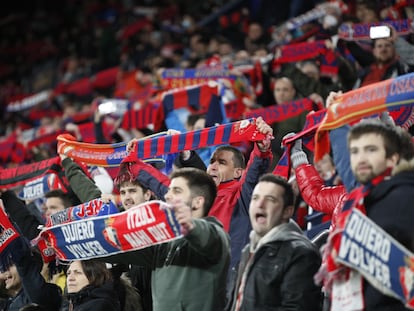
(312, 15)
(393, 95)
(379, 258)
(12, 244)
(38, 187)
(280, 112)
(93, 208)
(179, 78)
(356, 32)
(144, 225)
(331, 273)
(12, 177)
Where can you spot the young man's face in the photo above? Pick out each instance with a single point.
(179, 190)
(368, 157)
(267, 207)
(12, 280)
(132, 194)
(222, 168)
(53, 205)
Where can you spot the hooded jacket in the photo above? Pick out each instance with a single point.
(187, 273)
(280, 276)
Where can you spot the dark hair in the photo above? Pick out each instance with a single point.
(288, 195)
(193, 118)
(396, 140)
(96, 272)
(200, 184)
(58, 193)
(238, 157)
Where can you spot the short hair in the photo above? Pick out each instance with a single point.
(59, 193)
(288, 195)
(396, 140)
(200, 184)
(96, 272)
(238, 157)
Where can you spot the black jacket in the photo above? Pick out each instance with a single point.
(281, 274)
(90, 298)
(390, 205)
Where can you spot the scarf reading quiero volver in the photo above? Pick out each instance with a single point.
(343, 283)
(85, 210)
(389, 95)
(378, 257)
(139, 227)
(113, 154)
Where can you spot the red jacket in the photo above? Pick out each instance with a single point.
(325, 199)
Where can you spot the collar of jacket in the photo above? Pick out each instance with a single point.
(403, 166)
(278, 233)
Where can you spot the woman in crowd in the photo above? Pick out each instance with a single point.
(90, 287)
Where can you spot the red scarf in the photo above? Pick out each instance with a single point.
(329, 269)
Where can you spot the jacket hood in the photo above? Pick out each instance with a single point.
(284, 232)
(403, 166)
(402, 174)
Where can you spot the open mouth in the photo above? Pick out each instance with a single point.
(363, 168)
(260, 218)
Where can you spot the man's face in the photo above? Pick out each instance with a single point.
(266, 207)
(254, 32)
(283, 90)
(12, 280)
(367, 155)
(132, 194)
(53, 205)
(221, 167)
(178, 191)
(325, 167)
(383, 51)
